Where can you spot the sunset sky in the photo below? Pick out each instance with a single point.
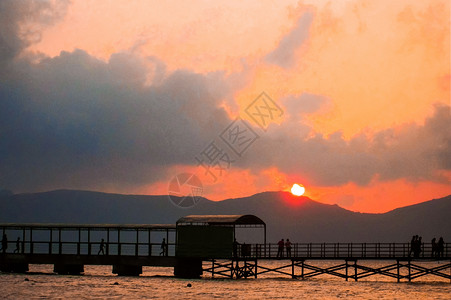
(121, 96)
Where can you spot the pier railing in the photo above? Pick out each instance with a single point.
(342, 250)
(91, 248)
(261, 251)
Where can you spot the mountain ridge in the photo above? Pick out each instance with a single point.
(286, 216)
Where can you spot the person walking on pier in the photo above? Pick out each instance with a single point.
(17, 250)
(288, 247)
(434, 250)
(417, 250)
(413, 243)
(4, 243)
(440, 247)
(163, 248)
(101, 247)
(281, 244)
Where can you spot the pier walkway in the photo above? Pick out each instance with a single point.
(69, 247)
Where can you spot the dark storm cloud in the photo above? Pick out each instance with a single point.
(77, 121)
(284, 55)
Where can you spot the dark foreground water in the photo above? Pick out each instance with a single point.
(158, 283)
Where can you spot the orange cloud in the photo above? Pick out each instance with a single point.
(382, 64)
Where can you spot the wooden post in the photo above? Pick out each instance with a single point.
(31, 240)
(167, 243)
(213, 268)
(255, 272)
(150, 244)
(108, 241)
(302, 270)
(60, 246)
(118, 241)
(355, 270)
(51, 241)
(23, 240)
(79, 241)
(408, 265)
(137, 242)
(89, 241)
(397, 270)
(347, 265)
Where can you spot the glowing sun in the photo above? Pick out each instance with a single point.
(298, 189)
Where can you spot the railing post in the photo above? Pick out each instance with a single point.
(31, 240)
(60, 245)
(137, 243)
(119, 241)
(347, 265)
(51, 239)
(23, 240)
(89, 241)
(108, 241)
(79, 240)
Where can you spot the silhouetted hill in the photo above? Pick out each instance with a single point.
(298, 218)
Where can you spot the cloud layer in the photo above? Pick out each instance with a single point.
(75, 121)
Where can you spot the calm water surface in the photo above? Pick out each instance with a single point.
(158, 283)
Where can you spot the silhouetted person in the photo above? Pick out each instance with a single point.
(163, 248)
(440, 247)
(281, 244)
(235, 248)
(17, 250)
(413, 243)
(101, 247)
(434, 250)
(418, 245)
(4, 243)
(288, 247)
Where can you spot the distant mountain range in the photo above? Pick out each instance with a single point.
(298, 218)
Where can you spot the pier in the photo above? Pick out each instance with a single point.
(198, 245)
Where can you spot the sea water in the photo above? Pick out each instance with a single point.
(158, 283)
